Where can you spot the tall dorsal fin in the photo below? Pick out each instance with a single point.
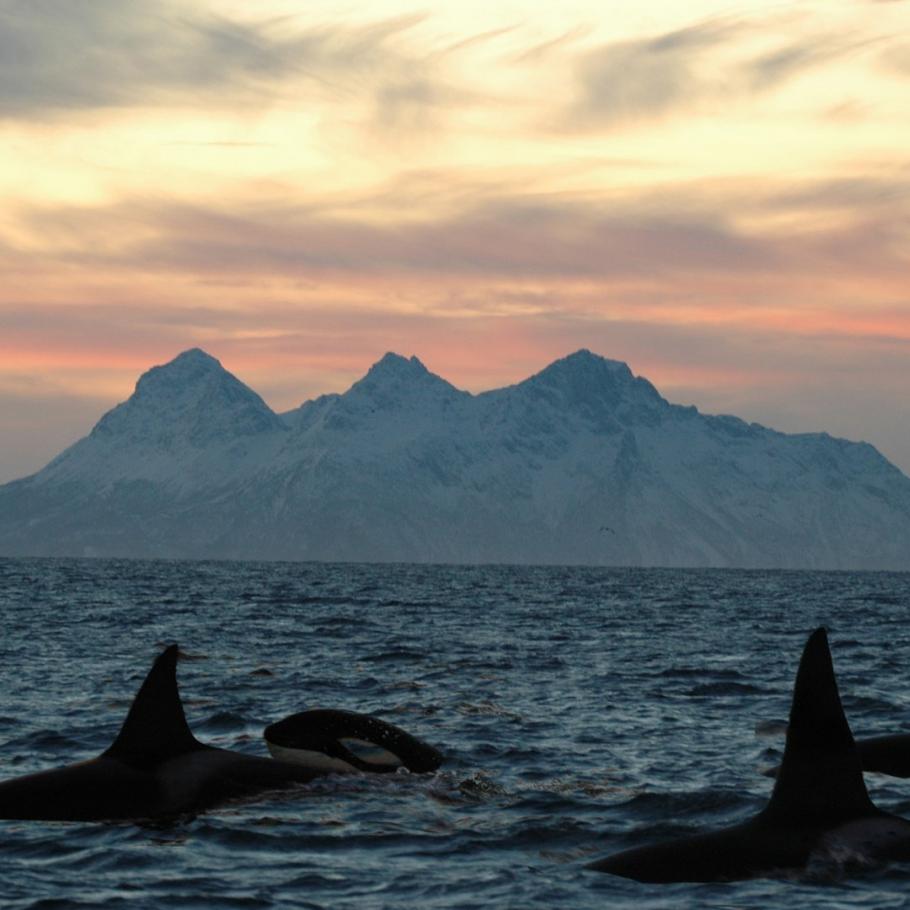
(155, 728)
(821, 777)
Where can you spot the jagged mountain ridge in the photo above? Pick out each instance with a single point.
(186, 423)
(581, 463)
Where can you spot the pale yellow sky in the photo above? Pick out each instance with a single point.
(715, 193)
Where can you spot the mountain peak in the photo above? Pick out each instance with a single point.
(395, 375)
(584, 361)
(194, 356)
(394, 379)
(394, 366)
(189, 365)
(582, 463)
(584, 370)
(191, 397)
(595, 383)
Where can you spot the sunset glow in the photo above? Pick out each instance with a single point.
(716, 194)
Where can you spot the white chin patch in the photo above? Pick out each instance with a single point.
(370, 752)
(317, 761)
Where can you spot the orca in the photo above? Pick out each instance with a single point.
(155, 768)
(819, 809)
(889, 755)
(344, 742)
(886, 754)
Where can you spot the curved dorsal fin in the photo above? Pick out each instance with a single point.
(821, 777)
(155, 728)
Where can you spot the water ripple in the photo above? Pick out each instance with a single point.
(581, 710)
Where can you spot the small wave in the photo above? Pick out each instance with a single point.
(45, 741)
(330, 621)
(771, 728)
(366, 682)
(668, 805)
(336, 600)
(855, 705)
(392, 656)
(556, 830)
(421, 710)
(480, 786)
(406, 685)
(688, 672)
(573, 786)
(223, 722)
(189, 655)
(723, 688)
(887, 600)
(479, 663)
(486, 709)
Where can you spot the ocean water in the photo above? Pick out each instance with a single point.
(582, 711)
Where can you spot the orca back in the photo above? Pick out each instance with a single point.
(361, 741)
(886, 754)
(155, 728)
(820, 781)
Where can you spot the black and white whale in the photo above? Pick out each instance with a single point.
(335, 741)
(819, 807)
(888, 754)
(154, 768)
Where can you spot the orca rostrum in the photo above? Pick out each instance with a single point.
(343, 742)
(154, 768)
(819, 809)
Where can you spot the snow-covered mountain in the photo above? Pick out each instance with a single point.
(581, 463)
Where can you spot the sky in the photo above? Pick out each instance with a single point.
(716, 193)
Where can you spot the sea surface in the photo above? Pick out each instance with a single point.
(582, 711)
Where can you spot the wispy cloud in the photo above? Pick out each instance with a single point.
(504, 239)
(689, 69)
(58, 55)
(679, 230)
(896, 59)
(488, 193)
(68, 55)
(634, 80)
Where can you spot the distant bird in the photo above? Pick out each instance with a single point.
(605, 528)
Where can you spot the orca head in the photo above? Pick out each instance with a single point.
(155, 728)
(345, 741)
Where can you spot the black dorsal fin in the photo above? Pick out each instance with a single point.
(155, 728)
(820, 778)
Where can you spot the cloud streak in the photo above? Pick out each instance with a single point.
(686, 230)
(690, 69)
(62, 57)
(66, 56)
(486, 193)
(646, 78)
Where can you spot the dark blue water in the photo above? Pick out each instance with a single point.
(582, 711)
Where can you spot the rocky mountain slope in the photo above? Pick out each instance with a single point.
(581, 463)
